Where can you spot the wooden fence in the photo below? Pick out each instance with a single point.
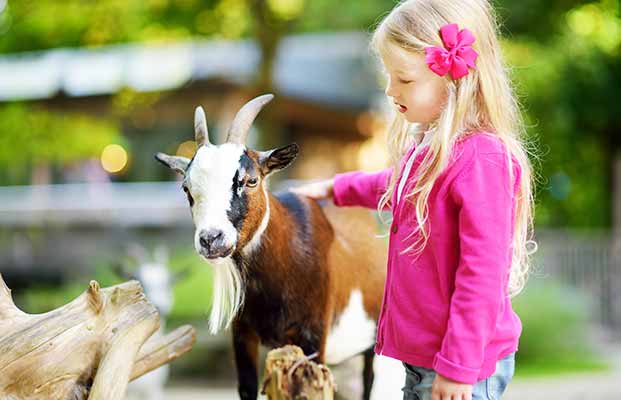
(587, 261)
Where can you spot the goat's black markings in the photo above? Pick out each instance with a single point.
(299, 211)
(239, 201)
(185, 184)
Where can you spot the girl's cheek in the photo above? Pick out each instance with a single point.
(424, 98)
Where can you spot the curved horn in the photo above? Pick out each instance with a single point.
(201, 135)
(238, 132)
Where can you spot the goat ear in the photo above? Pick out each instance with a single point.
(176, 163)
(277, 159)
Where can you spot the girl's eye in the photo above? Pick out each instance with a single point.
(405, 82)
(252, 182)
(190, 198)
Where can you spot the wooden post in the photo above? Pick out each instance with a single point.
(290, 375)
(87, 349)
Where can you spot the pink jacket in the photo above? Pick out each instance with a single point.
(447, 309)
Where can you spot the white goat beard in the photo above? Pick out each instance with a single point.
(228, 295)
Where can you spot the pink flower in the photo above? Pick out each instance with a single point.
(456, 56)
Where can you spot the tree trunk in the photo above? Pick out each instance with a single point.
(87, 349)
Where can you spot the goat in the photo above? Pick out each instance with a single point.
(287, 270)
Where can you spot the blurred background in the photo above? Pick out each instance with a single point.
(89, 91)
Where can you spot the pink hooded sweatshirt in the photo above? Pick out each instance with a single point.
(448, 307)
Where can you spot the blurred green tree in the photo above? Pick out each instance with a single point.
(33, 140)
(565, 55)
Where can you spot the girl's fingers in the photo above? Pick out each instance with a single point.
(318, 190)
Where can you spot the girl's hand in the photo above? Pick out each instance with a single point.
(446, 389)
(316, 190)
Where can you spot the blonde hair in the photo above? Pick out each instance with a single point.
(482, 100)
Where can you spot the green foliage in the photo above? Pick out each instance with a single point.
(555, 334)
(569, 86)
(35, 24)
(565, 55)
(321, 15)
(31, 136)
(533, 18)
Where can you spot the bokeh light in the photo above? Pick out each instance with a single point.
(113, 158)
(187, 149)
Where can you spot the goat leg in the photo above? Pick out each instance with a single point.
(246, 347)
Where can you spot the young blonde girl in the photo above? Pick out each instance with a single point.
(459, 189)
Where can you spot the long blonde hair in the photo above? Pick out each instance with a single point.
(482, 100)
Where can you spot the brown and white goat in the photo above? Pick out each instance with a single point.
(287, 270)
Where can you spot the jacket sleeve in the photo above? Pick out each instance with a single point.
(360, 188)
(484, 193)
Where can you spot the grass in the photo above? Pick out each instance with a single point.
(545, 369)
(555, 336)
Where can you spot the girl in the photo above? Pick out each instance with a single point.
(460, 194)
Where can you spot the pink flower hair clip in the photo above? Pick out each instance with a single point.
(456, 56)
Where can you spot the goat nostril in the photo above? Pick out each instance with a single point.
(210, 240)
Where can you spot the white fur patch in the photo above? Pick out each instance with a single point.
(389, 378)
(353, 333)
(210, 180)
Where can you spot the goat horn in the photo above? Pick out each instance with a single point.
(238, 132)
(201, 135)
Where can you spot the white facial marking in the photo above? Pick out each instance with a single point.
(353, 333)
(210, 179)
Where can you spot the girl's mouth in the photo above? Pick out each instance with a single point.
(401, 107)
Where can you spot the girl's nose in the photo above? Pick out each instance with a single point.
(390, 90)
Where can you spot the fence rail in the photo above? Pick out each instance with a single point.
(588, 262)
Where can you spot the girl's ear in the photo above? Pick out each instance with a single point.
(277, 159)
(176, 163)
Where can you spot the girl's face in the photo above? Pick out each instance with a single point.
(417, 91)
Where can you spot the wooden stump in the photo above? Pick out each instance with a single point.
(88, 349)
(290, 375)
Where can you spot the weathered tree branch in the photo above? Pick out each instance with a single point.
(87, 349)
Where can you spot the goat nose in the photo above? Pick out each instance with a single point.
(207, 238)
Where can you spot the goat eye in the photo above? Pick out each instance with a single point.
(252, 182)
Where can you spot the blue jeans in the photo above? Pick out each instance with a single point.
(418, 381)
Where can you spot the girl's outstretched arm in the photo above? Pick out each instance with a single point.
(360, 188)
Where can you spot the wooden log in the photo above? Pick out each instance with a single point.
(87, 349)
(290, 375)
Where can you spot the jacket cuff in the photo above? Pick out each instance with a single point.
(454, 371)
(339, 189)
